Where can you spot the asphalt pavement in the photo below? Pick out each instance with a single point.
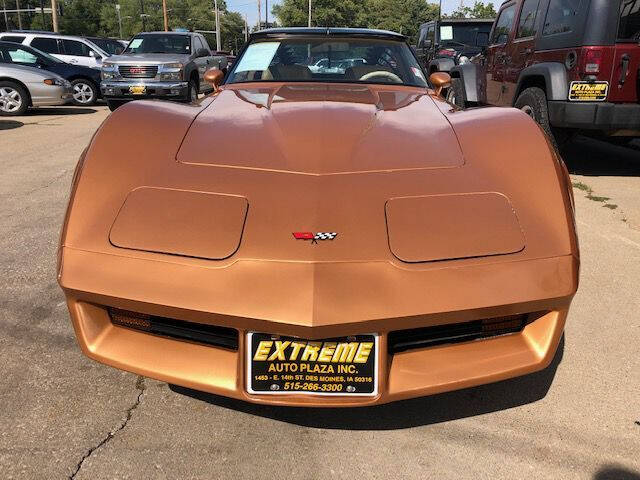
(65, 416)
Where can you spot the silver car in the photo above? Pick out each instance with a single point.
(22, 87)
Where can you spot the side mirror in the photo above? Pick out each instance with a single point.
(214, 77)
(92, 53)
(428, 44)
(203, 52)
(440, 80)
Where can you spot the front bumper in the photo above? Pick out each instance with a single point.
(120, 89)
(412, 373)
(604, 116)
(52, 96)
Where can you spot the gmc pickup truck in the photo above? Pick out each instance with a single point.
(167, 65)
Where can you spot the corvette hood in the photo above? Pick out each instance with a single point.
(322, 129)
(254, 173)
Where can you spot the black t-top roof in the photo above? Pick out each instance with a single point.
(355, 32)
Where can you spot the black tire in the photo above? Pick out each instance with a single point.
(85, 92)
(533, 101)
(192, 91)
(14, 99)
(113, 104)
(455, 95)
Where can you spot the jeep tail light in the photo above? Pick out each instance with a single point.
(592, 60)
(447, 52)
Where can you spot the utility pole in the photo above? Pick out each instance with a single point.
(144, 24)
(6, 20)
(164, 14)
(119, 19)
(246, 28)
(19, 17)
(309, 13)
(54, 14)
(259, 14)
(44, 20)
(218, 42)
(266, 13)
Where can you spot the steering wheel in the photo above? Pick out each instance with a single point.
(382, 73)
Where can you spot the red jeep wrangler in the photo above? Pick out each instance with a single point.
(570, 64)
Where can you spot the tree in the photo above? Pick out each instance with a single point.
(326, 13)
(232, 31)
(479, 10)
(403, 16)
(82, 17)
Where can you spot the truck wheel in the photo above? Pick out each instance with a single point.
(455, 95)
(533, 102)
(192, 91)
(113, 104)
(84, 92)
(14, 100)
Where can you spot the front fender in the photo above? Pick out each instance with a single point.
(468, 73)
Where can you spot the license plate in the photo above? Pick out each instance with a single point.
(345, 366)
(588, 91)
(137, 90)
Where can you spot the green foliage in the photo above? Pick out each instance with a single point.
(479, 10)
(81, 17)
(232, 30)
(404, 16)
(326, 13)
(100, 18)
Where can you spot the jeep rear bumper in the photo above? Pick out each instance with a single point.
(604, 116)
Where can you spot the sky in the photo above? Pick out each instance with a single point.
(250, 7)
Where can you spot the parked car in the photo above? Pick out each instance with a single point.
(168, 65)
(69, 49)
(443, 44)
(571, 65)
(230, 59)
(23, 87)
(320, 239)
(84, 80)
(324, 65)
(109, 45)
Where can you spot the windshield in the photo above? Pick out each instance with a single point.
(629, 29)
(19, 54)
(158, 43)
(452, 35)
(328, 60)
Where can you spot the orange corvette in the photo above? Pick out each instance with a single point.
(323, 230)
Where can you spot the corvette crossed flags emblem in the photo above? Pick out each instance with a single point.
(314, 237)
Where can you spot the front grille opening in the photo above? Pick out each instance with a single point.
(402, 340)
(145, 71)
(178, 329)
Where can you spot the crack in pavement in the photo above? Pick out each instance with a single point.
(142, 388)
